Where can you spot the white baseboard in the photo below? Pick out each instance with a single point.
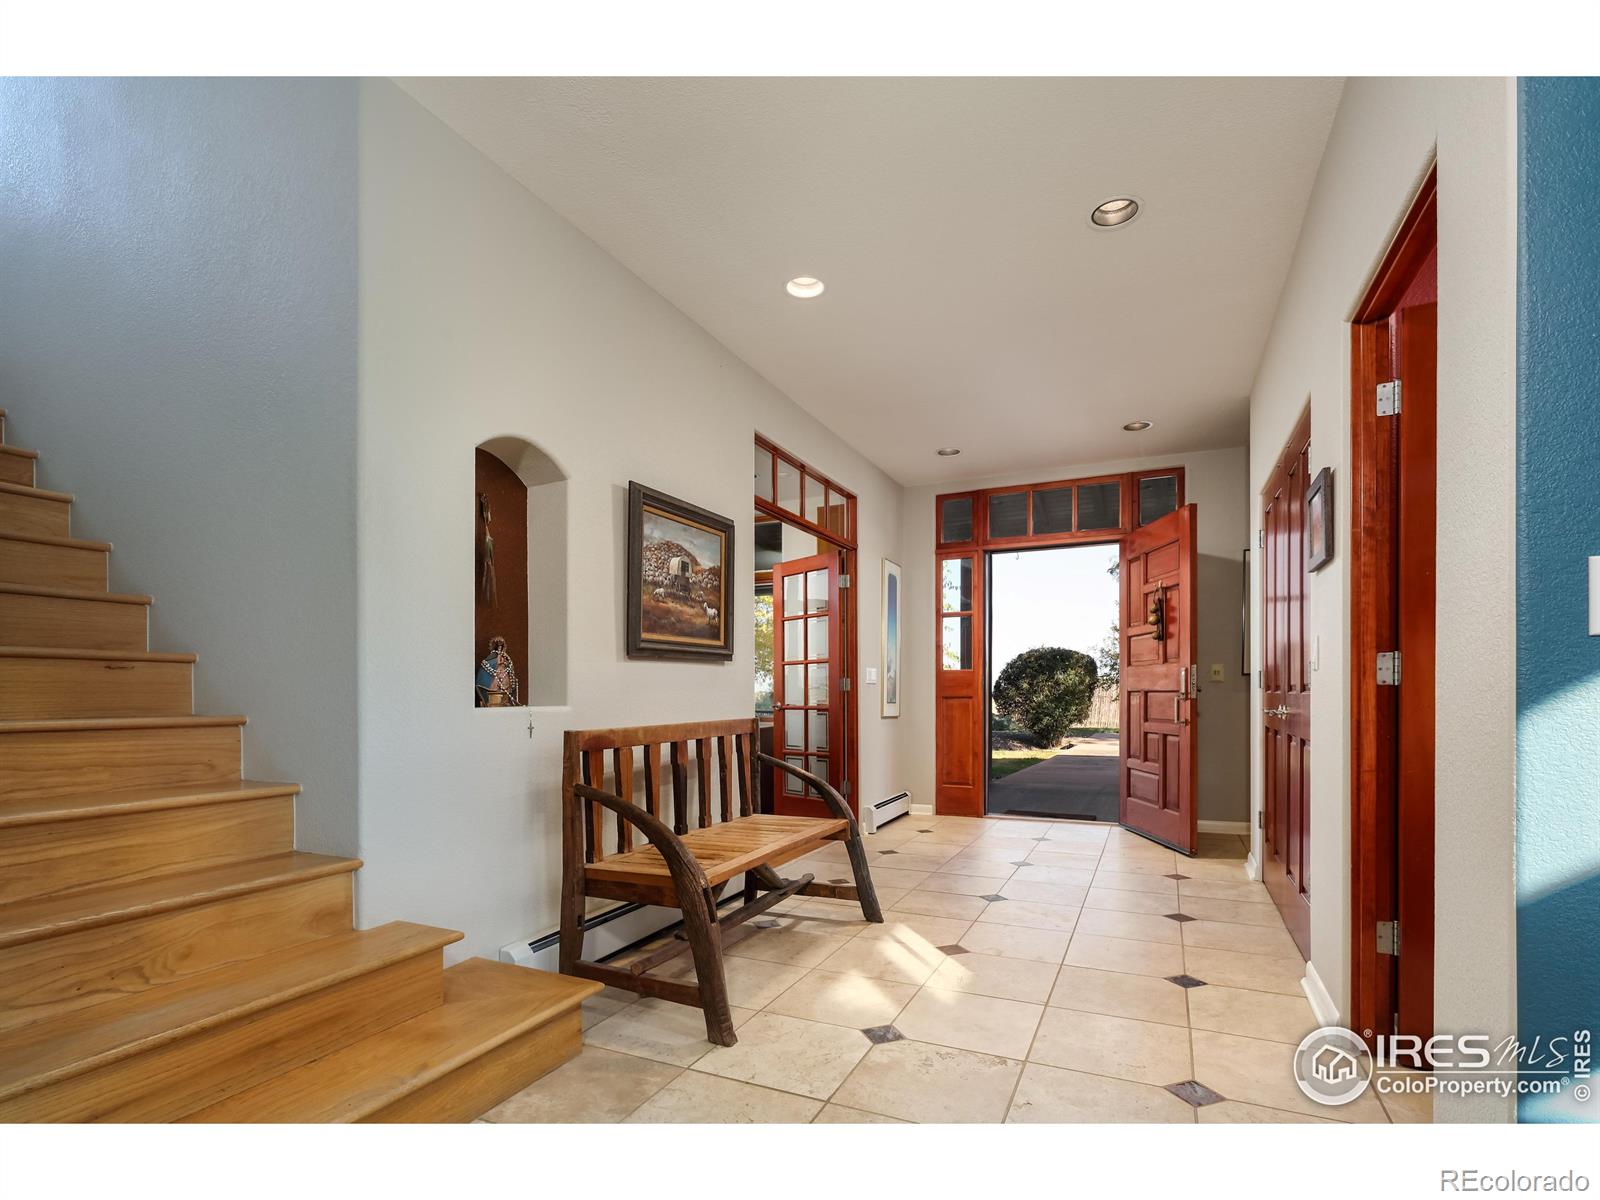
(1322, 1005)
(1252, 869)
(1241, 828)
(922, 810)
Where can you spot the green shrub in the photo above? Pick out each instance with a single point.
(1047, 691)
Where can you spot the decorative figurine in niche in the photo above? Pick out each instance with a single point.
(497, 678)
(486, 582)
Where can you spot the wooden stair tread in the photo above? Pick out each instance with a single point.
(17, 451)
(97, 655)
(48, 916)
(37, 493)
(48, 1049)
(91, 724)
(45, 539)
(725, 849)
(130, 800)
(54, 593)
(486, 1004)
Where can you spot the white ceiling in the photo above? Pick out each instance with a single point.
(969, 302)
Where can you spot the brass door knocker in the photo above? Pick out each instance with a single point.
(1156, 617)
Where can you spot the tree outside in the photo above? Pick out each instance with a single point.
(1047, 691)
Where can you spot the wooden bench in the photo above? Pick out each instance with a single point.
(633, 828)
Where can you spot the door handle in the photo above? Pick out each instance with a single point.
(1280, 712)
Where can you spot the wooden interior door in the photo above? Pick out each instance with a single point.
(1286, 688)
(961, 758)
(807, 678)
(1158, 680)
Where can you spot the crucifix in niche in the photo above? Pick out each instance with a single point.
(487, 550)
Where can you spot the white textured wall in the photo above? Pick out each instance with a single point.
(483, 313)
(1215, 481)
(1378, 153)
(178, 341)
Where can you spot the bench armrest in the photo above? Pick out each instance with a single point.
(830, 796)
(687, 874)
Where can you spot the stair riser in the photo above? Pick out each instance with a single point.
(102, 851)
(14, 468)
(38, 765)
(41, 688)
(35, 514)
(57, 974)
(40, 565)
(476, 1086)
(175, 1079)
(59, 621)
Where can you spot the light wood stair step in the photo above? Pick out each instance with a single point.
(25, 509)
(72, 618)
(63, 843)
(96, 944)
(17, 465)
(68, 756)
(50, 681)
(63, 562)
(500, 1028)
(165, 1052)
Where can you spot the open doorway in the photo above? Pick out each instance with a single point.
(1053, 683)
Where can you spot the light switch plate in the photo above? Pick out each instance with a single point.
(1217, 674)
(872, 675)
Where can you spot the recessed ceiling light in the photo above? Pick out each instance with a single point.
(804, 287)
(1138, 426)
(1119, 210)
(948, 452)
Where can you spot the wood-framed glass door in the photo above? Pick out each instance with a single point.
(808, 682)
(1286, 688)
(961, 757)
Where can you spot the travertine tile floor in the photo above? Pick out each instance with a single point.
(1026, 971)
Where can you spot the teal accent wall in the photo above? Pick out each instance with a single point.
(1558, 528)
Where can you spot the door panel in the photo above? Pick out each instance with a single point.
(960, 757)
(1158, 684)
(1286, 689)
(807, 684)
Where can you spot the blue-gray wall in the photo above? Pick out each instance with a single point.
(178, 341)
(1558, 517)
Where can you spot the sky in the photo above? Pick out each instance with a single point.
(1057, 597)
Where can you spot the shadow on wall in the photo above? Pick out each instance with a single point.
(1225, 705)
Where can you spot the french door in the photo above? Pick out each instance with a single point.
(807, 678)
(1158, 768)
(1286, 689)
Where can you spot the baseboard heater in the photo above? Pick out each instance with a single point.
(876, 816)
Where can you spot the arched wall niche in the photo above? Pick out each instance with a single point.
(526, 494)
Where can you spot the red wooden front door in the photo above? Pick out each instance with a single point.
(1286, 688)
(1158, 680)
(807, 684)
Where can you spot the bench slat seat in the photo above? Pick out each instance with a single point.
(726, 849)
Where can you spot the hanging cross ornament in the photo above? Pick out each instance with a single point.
(487, 583)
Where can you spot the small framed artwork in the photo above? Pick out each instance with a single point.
(1319, 520)
(889, 696)
(680, 558)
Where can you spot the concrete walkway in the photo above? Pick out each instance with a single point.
(1080, 782)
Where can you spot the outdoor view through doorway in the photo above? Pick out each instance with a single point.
(1053, 683)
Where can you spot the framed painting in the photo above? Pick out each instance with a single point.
(680, 558)
(1319, 521)
(889, 693)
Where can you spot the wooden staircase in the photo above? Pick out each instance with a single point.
(165, 951)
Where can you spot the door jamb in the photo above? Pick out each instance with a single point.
(1374, 622)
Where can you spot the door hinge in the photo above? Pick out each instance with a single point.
(844, 788)
(1389, 937)
(1258, 678)
(844, 581)
(1261, 818)
(1261, 539)
(1389, 668)
(844, 685)
(1389, 398)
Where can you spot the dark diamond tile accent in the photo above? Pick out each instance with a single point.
(924, 831)
(953, 948)
(1192, 1091)
(1186, 981)
(888, 852)
(1042, 838)
(879, 1034)
(992, 898)
(838, 881)
(1022, 864)
(1175, 876)
(765, 923)
(1180, 918)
